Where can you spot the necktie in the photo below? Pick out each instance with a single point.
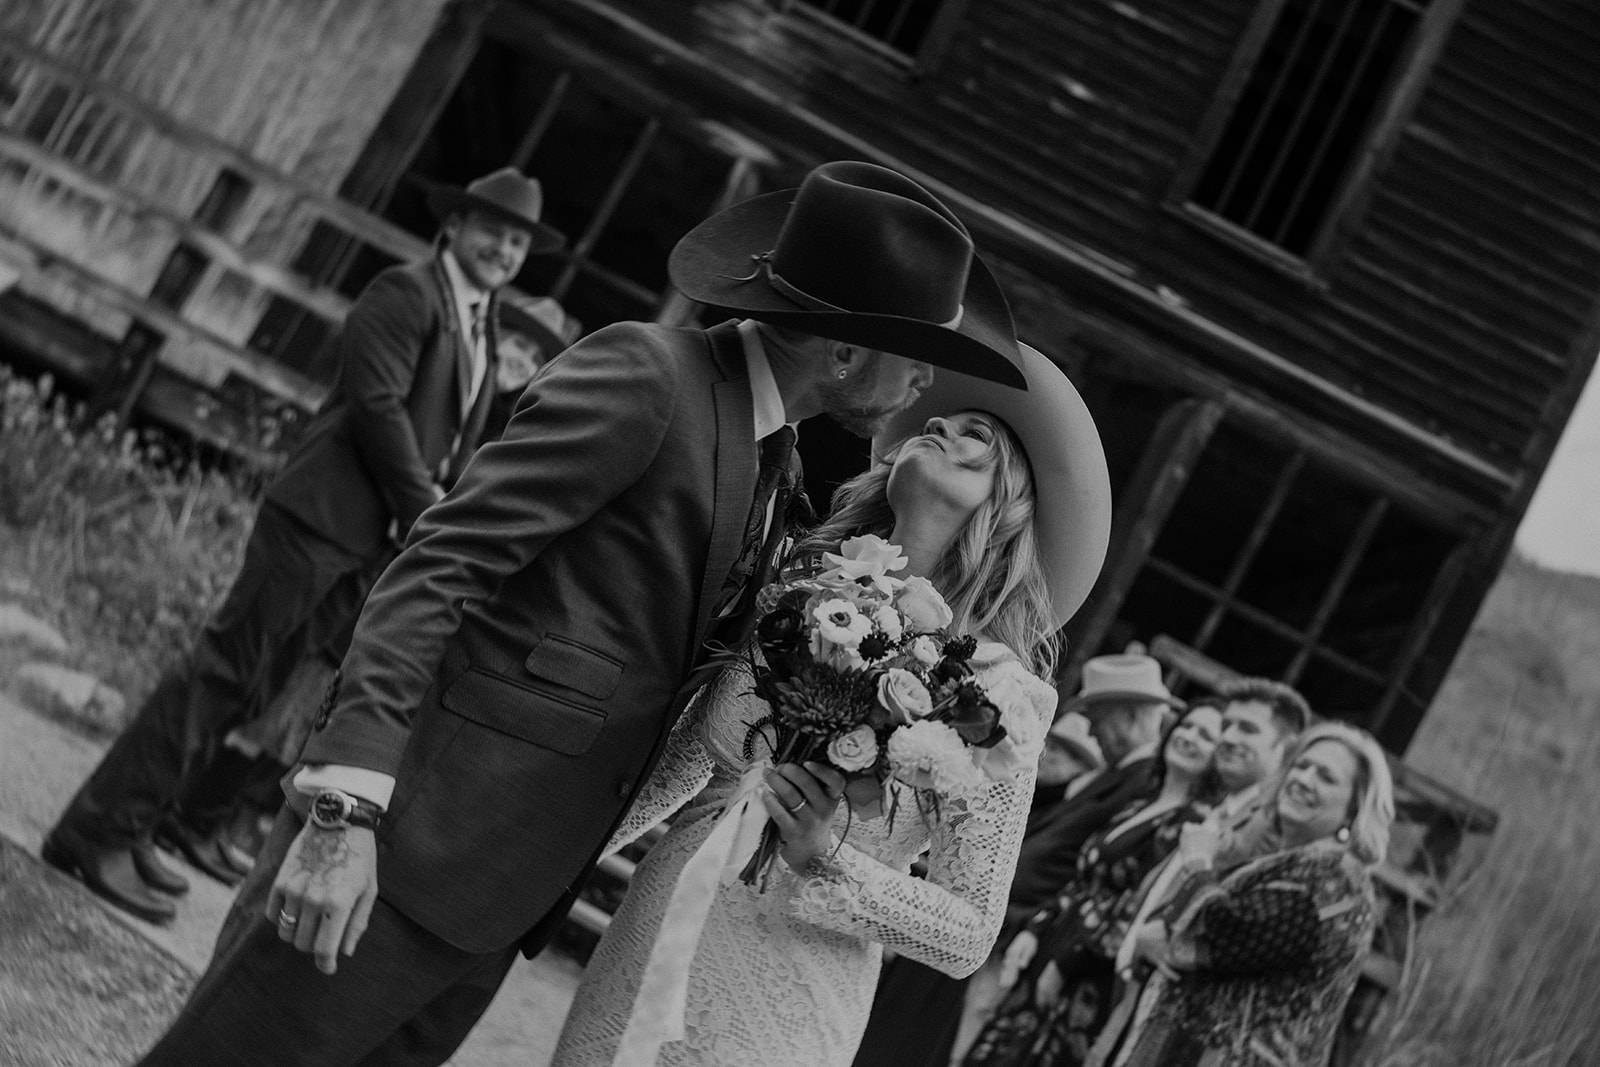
(772, 481)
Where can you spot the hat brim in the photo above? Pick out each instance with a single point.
(513, 318)
(708, 264)
(446, 200)
(1089, 701)
(1072, 487)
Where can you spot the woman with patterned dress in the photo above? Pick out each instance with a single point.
(1065, 954)
(1003, 505)
(1252, 960)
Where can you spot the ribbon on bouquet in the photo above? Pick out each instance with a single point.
(658, 1007)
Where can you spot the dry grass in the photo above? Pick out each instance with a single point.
(118, 541)
(1508, 973)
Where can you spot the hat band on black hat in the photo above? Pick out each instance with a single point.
(806, 300)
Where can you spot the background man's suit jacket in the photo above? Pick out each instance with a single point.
(373, 451)
(1049, 856)
(518, 666)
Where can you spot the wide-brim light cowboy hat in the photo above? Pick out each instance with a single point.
(1072, 488)
(1121, 679)
(861, 254)
(539, 318)
(506, 194)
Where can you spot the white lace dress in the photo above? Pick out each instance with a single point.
(787, 976)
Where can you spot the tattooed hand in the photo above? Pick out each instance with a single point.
(324, 892)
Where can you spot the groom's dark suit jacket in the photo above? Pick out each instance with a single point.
(518, 666)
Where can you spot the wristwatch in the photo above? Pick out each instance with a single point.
(334, 809)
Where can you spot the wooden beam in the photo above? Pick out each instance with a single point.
(276, 379)
(368, 227)
(326, 303)
(1142, 510)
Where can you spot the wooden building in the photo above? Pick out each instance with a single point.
(1327, 271)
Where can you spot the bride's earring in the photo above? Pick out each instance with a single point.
(842, 373)
(1342, 835)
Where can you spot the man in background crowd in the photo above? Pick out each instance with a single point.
(416, 370)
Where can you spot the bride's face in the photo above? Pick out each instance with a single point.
(951, 463)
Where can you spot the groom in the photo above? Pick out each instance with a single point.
(516, 670)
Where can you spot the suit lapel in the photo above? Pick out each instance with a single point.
(460, 346)
(735, 479)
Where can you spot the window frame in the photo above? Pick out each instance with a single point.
(1401, 94)
(930, 51)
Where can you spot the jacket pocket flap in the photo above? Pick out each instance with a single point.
(578, 667)
(528, 714)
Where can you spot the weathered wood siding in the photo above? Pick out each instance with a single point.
(1459, 294)
(295, 84)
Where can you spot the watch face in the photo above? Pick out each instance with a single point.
(329, 810)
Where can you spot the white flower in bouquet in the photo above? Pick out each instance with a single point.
(854, 751)
(840, 622)
(925, 650)
(867, 560)
(1024, 720)
(922, 605)
(887, 620)
(903, 695)
(930, 755)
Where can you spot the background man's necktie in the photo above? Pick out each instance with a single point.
(773, 486)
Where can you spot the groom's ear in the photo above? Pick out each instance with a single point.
(843, 356)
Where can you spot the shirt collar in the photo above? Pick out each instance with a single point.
(768, 401)
(465, 293)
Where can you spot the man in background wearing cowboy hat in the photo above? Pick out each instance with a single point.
(517, 669)
(1126, 704)
(921, 1016)
(405, 411)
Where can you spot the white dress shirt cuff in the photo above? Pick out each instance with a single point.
(373, 786)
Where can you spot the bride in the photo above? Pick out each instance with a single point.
(1001, 500)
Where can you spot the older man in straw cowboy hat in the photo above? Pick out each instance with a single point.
(1124, 700)
(517, 669)
(404, 413)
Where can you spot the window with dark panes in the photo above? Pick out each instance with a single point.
(1316, 84)
(1277, 565)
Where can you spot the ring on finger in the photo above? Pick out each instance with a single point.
(794, 809)
(286, 919)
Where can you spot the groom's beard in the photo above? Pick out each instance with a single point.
(853, 406)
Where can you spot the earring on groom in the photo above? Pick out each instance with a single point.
(842, 373)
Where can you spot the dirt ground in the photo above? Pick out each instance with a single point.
(77, 987)
(83, 984)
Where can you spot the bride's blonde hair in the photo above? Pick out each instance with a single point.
(991, 576)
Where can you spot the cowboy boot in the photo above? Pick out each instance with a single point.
(110, 873)
(156, 874)
(203, 851)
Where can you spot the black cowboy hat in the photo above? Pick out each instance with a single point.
(860, 254)
(506, 194)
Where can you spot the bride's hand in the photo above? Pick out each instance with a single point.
(801, 800)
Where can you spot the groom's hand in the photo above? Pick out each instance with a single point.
(324, 892)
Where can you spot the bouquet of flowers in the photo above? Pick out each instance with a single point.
(862, 673)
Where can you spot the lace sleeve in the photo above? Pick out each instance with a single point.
(949, 920)
(683, 770)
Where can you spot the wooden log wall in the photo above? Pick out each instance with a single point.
(290, 86)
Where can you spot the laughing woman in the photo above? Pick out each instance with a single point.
(999, 498)
(1254, 960)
